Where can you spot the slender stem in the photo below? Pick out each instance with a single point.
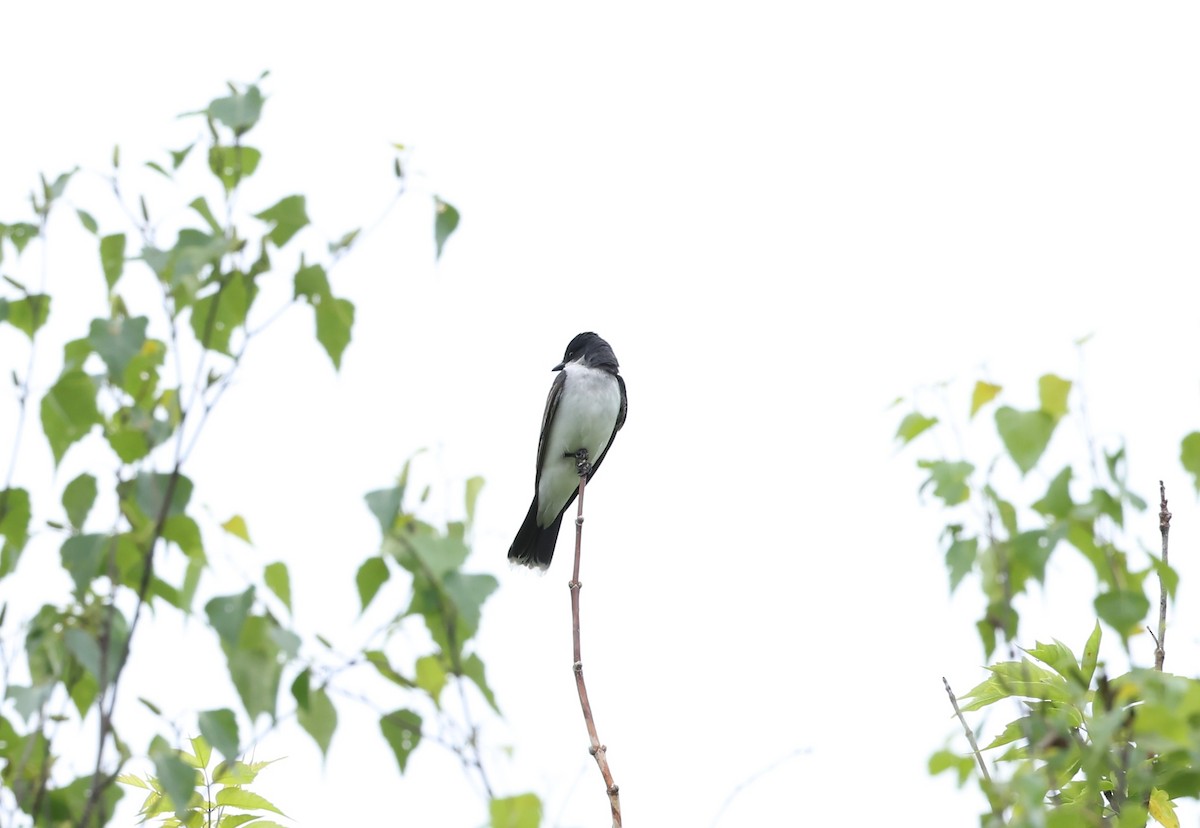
(596, 748)
(1164, 526)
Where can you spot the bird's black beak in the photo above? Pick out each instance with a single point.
(559, 367)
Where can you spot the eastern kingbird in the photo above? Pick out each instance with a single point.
(585, 410)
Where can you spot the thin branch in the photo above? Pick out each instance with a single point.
(596, 748)
(967, 730)
(1164, 526)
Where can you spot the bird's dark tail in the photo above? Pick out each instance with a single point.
(534, 546)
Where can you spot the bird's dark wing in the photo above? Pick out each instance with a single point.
(548, 417)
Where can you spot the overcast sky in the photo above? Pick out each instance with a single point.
(782, 217)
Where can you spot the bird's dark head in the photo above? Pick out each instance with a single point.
(591, 350)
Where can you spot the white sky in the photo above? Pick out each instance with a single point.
(781, 220)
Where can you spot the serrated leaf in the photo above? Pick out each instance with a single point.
(319, 718)
(370, 577)
(247, 800)
(1162, 809)
(402, 730)
(276, 578)
(1025, 435)
(236, 526)
(286, 217)
(523, 811)
(444, 224)
(912, 425)
(69, 411)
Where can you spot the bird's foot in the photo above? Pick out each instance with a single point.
(582, 465)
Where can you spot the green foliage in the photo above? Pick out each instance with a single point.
(1086, 748)
(133, 542)
(187, 789)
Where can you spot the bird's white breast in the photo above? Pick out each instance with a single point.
(585, 418)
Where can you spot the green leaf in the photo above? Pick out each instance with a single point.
(440, 555)
(217, 315)
(960, 558)
(301, 687)
(1025, 435)
(112, 257)
(472, 668)
(77, 499)
(200, 205)
(335, 319)
(1053, 392)
(89, 223)
(523, 811)
(21, 234)
(312, 283)
(256, 663)
(445, 222)
(117, 341)
(431, 676)
(912, 425)
(247, 800)
(178, 156)
(1057, 502)
(236, 526)
(239, 111)
(82, 556)
(220, 728)
(1190, 457)
(276, 578)
(369, 579)
(150, 491)
(27, 315)
(385, 505)
(286, 217)
(319, 718)
(203, 751)
(87, 651)
(945, 760)
(474, 486)
(344, 242)
(69, 411)
(1091, 654)
(231, 164)
(949, 479)
(402, 730)
(227, 614)
(1057, 656)
(380, 661)
(468, 592)
(1123, 610)
(15, 513)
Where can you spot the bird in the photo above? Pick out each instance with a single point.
(584, 411)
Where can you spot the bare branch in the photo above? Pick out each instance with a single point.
(1164, 526)
(967, 730)
(597, 750)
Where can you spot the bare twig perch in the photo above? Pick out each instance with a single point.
(1164, 526)
(966, 729)
(596, 749)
